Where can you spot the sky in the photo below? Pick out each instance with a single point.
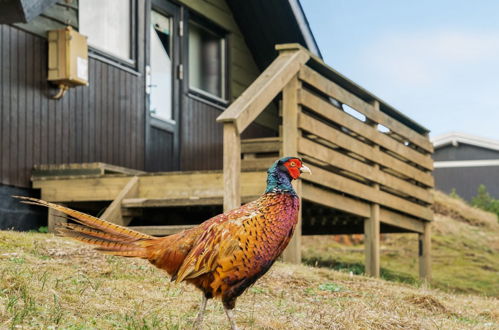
(435, 61)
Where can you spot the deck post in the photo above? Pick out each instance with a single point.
(231, 166)
(113, 212)
(425, 252)
(372, 225)
(290, 136)
(371, 242)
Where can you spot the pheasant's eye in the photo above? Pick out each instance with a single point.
(292, 164)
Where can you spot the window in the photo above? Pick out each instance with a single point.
(207, 67)
(107, 25)
(160, 104)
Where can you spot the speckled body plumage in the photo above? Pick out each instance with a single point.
(222, 256)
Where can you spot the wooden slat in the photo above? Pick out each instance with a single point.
(113, 211)
(334, 200)
(257, 164)
(161, 230)
(272, 144)
(347, 142)
(399, 220)
(340, 183)
(327, 110)
(264, 89)
(330, 88)
(342, 161)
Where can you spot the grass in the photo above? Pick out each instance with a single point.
(51, 282)
(465, 249)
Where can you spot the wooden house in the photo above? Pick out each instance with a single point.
(188, 103)
(463, 162)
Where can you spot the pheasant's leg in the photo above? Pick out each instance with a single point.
(230, 316)
(199, 318)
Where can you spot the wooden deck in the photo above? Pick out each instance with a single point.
(372, 172)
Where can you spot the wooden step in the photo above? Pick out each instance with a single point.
(161, 230)
(169, 202)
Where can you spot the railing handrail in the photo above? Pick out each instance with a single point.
(266, 87)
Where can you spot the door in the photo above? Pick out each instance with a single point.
(163, 72)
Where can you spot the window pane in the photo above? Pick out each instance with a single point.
(160, 104)
(107, 25)
(206, 60)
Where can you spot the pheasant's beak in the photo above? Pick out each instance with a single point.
(304, 169)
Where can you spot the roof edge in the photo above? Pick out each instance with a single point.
(304, 26)
(455, 138)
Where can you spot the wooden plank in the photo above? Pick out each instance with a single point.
(334, 200)
(54, 219)
(264, 89)
(400, 220)
(371, 242)
(290, 135)
(69, 190)
(272, 144)
(349, 143)
(330, 88)
(161, 230)
(327, 110)
(344, 162)
(231, 166)
(162, 202)
(257, 164)
(120, 169)
(354, 188)
(425, 253)
(113, 211)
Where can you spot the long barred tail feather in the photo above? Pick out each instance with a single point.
(107, 237)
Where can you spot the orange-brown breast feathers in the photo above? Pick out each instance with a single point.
(241, 244)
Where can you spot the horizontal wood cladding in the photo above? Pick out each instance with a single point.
(103, 122)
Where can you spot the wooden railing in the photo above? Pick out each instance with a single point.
(371, 159)
(247, 107)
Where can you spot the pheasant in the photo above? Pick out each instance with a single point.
(222, 256)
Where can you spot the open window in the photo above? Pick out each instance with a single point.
(108, 25)
(207, 60)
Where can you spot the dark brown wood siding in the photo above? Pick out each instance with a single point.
(103, 122)
(160, 157)
(201, 137)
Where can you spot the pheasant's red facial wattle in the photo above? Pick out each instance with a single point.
(293, 165)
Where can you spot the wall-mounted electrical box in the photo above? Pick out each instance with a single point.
(68, 58)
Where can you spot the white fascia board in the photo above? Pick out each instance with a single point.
(466, 163)
(455, 138)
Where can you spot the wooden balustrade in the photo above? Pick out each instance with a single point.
(383, 176)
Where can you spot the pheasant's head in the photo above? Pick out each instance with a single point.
(282, 172)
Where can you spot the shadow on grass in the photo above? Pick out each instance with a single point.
(359, 269)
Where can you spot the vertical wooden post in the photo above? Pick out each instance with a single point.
(372, 229)
(371, 242)
(290, 136)
(54, 218)
(425, 252)
(231, 166)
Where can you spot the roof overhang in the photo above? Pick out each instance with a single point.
(265, 23)
(455, 138)
(22, 11)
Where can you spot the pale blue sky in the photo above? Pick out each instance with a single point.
(436, 61)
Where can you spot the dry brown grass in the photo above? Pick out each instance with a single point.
(48, 281)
